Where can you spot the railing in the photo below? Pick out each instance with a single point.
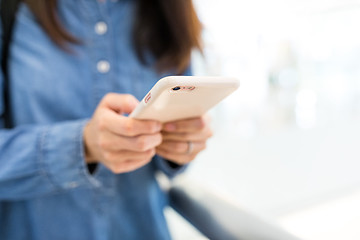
(217, 218)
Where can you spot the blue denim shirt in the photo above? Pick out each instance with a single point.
(46, 191)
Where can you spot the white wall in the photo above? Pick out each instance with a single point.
(288, 140)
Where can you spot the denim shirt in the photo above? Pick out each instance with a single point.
(46, 191)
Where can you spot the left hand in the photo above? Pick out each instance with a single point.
(184, 139)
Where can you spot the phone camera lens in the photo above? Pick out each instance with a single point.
(176, 88)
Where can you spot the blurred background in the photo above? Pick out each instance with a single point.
(287, 143)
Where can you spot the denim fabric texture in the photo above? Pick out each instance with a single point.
(46, 191)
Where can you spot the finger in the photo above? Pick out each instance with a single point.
(116, 159)
(132, 161)
(120, 103)
(184, 137)
(128, 166)
(126, 126)
(113, 142)
(175, 157)
(181, 147)
(187, 125)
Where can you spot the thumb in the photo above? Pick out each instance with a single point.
(121, 103)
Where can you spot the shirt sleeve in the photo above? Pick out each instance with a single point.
(39, 160)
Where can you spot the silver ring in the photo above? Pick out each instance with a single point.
(190, 147)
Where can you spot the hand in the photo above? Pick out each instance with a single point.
(122, 144)
(184, 139)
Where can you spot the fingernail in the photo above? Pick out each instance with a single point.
(170, 127)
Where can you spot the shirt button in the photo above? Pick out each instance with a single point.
(103, 66)
(101, 28)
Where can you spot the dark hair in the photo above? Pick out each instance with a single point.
(169, 29)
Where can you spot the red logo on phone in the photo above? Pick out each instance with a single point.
(148, 97)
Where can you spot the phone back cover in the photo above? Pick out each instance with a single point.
(164, 104)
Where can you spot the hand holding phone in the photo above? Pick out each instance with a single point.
(181, 97)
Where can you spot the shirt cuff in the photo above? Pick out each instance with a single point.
(62, 155)
(168, 168)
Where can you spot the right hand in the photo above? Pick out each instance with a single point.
(121, 143)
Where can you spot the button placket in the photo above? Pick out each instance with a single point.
(100, 29)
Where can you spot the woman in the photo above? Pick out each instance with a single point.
(74, 166)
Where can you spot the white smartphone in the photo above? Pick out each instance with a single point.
(180, 97)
